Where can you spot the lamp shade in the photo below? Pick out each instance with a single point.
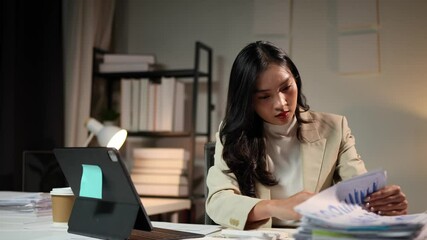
(108, 136)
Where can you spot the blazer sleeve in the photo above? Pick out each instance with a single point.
(225, 204)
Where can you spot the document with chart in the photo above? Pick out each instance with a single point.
(339, 209)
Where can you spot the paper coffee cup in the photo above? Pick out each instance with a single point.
(62, 204)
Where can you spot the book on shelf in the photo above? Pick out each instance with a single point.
(165, 104)
(128, 58)
(160, 171)
(123, 67)
(160, 163)
(125, 103)
(179, 107)
(157, 103)
(150, 106)
(143, 104)
(134, 104)
(152, 178)
(161, 153)
(172, 190)
(134, 126)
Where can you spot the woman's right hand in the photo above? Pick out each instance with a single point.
(284, 208)
(279, 208)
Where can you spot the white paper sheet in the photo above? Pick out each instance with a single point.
(341, 206)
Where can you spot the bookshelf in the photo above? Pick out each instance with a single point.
(195, 74)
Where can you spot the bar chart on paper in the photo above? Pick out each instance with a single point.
(355, 190)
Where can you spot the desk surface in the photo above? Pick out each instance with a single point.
(43, 229)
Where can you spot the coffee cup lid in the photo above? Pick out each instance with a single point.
(62, 191)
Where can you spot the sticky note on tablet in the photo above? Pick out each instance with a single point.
(91, 181)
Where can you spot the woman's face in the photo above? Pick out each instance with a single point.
(275, 98)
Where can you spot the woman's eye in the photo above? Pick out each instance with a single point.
(264, 97)
(286, 88)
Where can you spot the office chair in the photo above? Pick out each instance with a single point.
(209, 152)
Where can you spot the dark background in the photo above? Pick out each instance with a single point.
(31, 83)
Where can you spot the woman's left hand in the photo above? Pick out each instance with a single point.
(388, 201)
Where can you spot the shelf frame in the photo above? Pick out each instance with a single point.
(195, 73)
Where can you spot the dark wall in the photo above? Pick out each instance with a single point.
(31, 83)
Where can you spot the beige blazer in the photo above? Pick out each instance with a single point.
(328, 155)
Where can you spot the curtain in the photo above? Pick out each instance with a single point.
(87, 24)
(31, 83)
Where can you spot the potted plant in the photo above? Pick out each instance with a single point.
(110, 117)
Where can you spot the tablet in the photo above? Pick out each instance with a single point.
(117, 212)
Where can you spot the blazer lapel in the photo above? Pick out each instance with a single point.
(312, 151)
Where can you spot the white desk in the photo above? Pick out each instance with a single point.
(43, 229)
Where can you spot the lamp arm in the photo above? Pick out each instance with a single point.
(89, 139)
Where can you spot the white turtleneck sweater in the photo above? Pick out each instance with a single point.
(282, 146)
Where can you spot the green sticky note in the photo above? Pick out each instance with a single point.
(91, 182)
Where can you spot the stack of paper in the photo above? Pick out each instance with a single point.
(24, 205)
(337, 213)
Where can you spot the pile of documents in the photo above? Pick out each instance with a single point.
(338, 213)
(24, 205)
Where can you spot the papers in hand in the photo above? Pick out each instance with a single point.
(339, 209)
(356, 189)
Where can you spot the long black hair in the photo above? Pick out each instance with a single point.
(242, 131)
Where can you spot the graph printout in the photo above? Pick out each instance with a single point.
(341, 206)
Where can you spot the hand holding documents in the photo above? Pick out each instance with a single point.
(338, 210)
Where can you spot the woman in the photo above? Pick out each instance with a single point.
(272, 153)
